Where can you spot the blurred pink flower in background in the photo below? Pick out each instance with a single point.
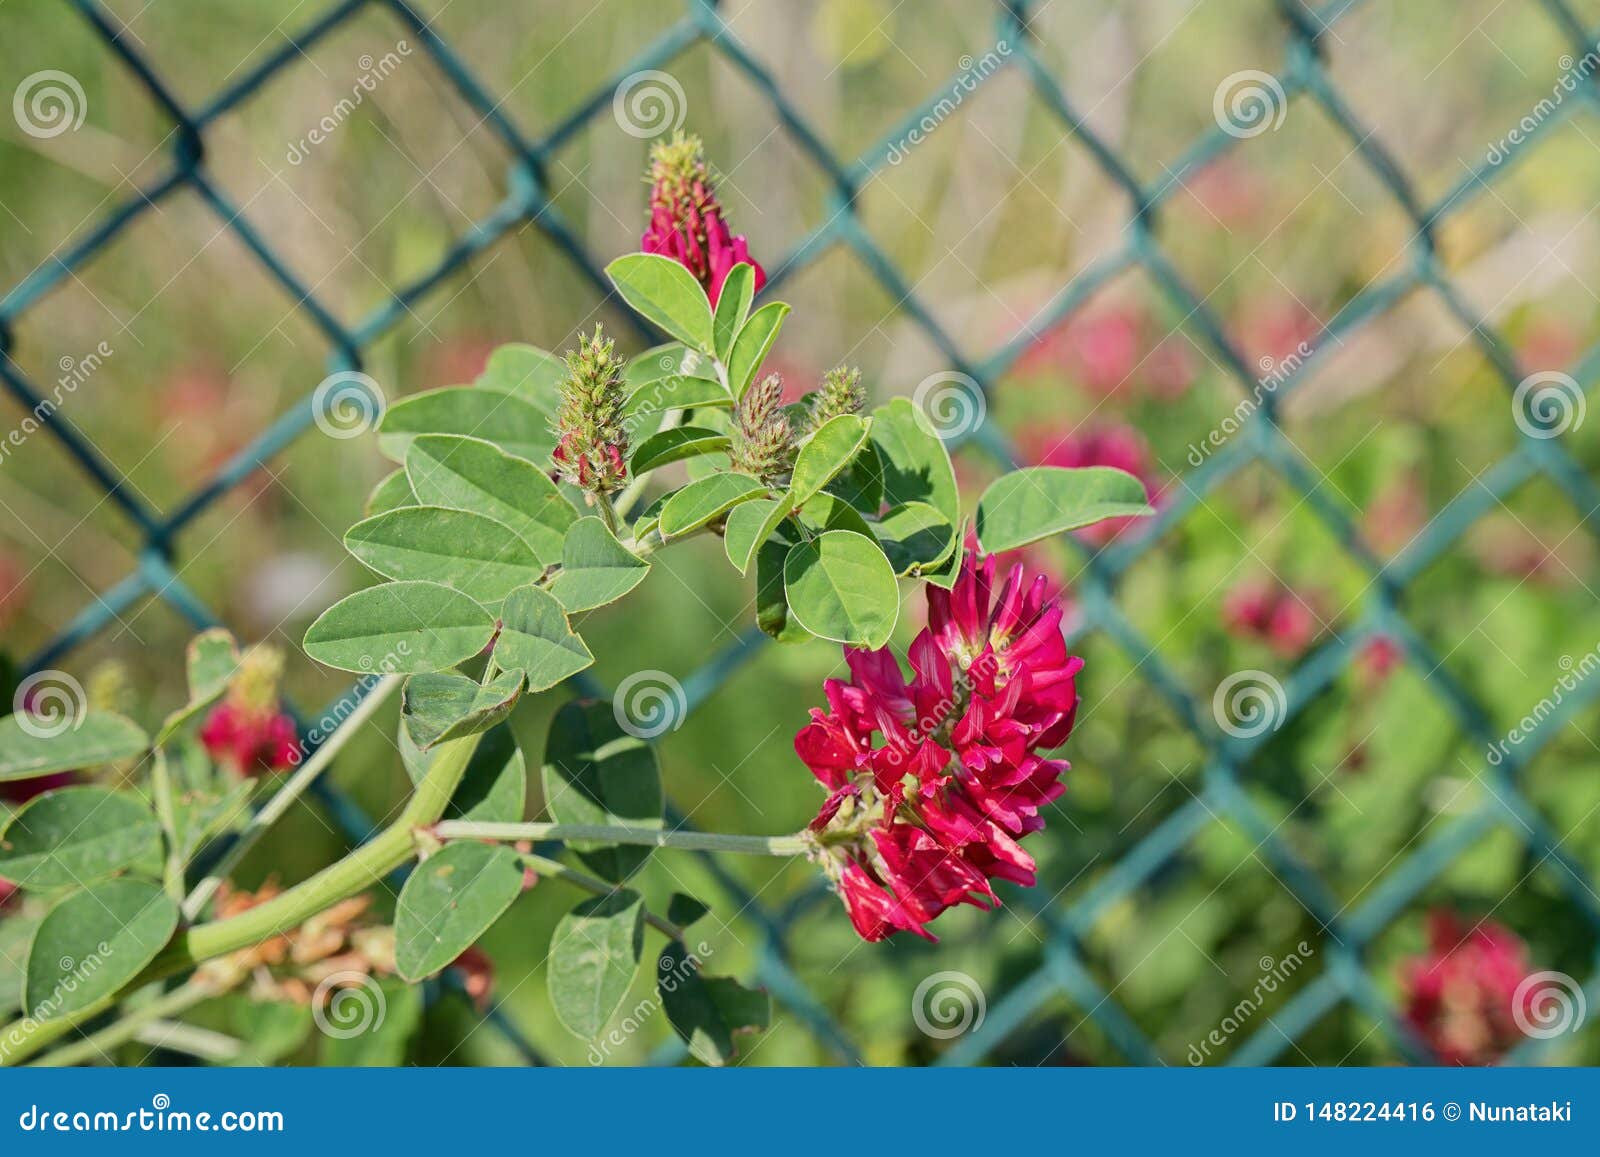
(13, 589)
(1460, 995)
(1396, 515)
(1377, 660)
(1227, 190)
(1110, 349)
(457, 360)
(1270, 331)
(1549, 344)
(1270, 612)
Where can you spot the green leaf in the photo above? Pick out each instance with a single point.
(533, 374)
(772, 604)
(672, 377)
(393, 492)
(861, 483)
(96, 737)
(840, 587)
(67, 837)
(733, 306)
(683, 910)
(705, 499)
(944, 574)
(16, 933)
(749, 525)
(371, 1024)
(470, 552)
(472, 474)
(493, 789)
(675, 444)
(1028, 505)
(830, 512)
(449, 901)
(664, 292)
(399, 628)
(825, 455)
(269, 1030)
(212, 658)
(443, 705)
(915, 537)
(707, 1011)
(595, 568)
(594, 955)
(536, 637)
(595, 773)
(95, 941)
(750, 348)
(515, 425)
(916, 465)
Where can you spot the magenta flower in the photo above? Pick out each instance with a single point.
(251, 741)
(934, 781)
(7, 890)
(686, 219)
(1271, 613)
(1461, 995)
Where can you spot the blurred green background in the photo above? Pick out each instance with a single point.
(987, 219)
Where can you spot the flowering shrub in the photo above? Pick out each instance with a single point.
(540, 492)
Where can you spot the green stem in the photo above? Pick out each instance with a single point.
(609, 834)
(559, 871)
(175, 1035)
(357, 872)
(98, 1044)
(293, 788)
(161, 781)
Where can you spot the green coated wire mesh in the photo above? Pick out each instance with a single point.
(1260, 443)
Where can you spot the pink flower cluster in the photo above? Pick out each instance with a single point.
(1461, 995)
(250, 740)
(686, 219)
(933, 782)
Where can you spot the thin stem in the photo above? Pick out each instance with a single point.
(630, 496)
(98, 1044)
(602, 833)
(293, 788)
(216, 1047)
(560, 871)
(608, 514)
(161, 781)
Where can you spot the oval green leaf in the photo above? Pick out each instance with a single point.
(493, 789)
(94, 942)
(825, 455)
(510, 422)
(840, 587)
(916, 466)
(472, 474)
(750, 348)
(535, 636)
(708, 1012)
(596, 569)
(49, 743)
(443, 705)
(399, 628)
(749, 525)
(594, 954)
(664, 292)
(472, 553)
(449, 901)
(1028, 505)
(705, 499)
(675, 444)
(390, 494)
(733, 306)
(915, 537)
(64, 838)
(596, 773)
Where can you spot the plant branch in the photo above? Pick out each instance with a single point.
(602, 833)
(293, 788)
(97, 1044)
